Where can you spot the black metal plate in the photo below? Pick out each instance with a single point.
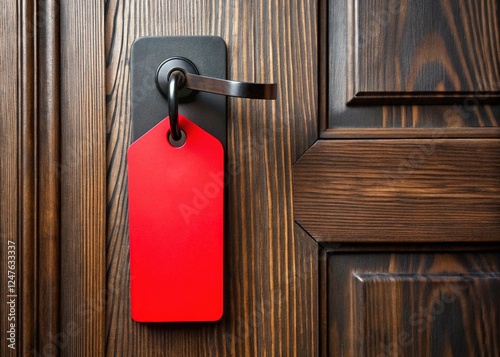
(149, 107)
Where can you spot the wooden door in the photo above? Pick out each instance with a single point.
(401, 191)
(363, 213)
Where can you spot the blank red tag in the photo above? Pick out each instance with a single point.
(176, 205)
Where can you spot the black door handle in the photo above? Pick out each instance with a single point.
(230, 88)
(190, 79)
(178, 78)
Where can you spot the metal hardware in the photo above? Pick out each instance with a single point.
(176, 75)
(202, 62)
(213, 85)
(149, 106)
(164, 71)
(176, 81)
(184, 84)
(231, 88)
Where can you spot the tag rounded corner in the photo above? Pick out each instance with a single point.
(136, 318)
(218, 316)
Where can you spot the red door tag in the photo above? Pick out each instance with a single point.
(176, 203)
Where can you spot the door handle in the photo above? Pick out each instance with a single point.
(231, 88)
(177, 79)
(191, 80)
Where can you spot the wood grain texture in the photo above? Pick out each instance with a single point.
(426, 51)
(28, 178)
(399, 191)
(410, 133)
(30, 175)
(10, 154)
(413, 304)
(268, 268)
(406, 73)
(48, 151)
(83, 179)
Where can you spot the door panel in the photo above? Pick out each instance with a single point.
(411, 65)
(399, 190)
(425, 51)
(410, 71)
(413, 304)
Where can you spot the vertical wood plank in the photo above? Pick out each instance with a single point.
(9, 168)
(28, 177)
(36, 291)
(268, 302)
(83, 212)
(48, 248)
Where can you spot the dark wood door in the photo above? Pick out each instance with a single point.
(401, 191)
(363, 214)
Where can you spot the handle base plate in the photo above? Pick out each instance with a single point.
(149, 107)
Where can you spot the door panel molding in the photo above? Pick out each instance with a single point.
(387, 70)
(409, 304)
(48, 176)
(423, 53)
(31, 176)
(17, 181)
(409, 133)
(399, 190)
(28, 180)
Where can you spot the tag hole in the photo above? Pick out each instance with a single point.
(179, 142)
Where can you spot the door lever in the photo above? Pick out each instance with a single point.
(229, 88)
(177, 79)
(190, 82)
